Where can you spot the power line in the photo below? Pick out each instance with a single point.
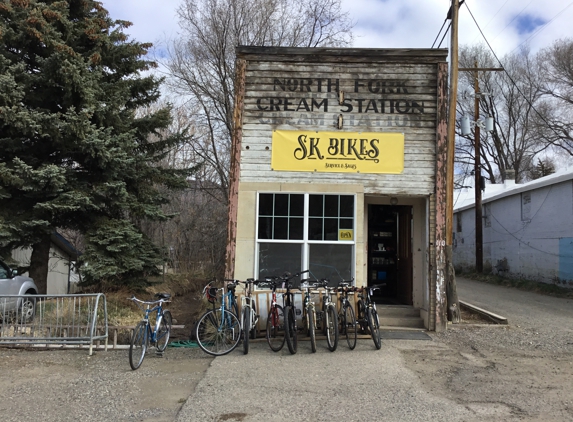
(511, 21)
(542, 27)
(511, 79)
(448, 18)
(439, 32)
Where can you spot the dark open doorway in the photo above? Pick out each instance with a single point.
(390, 253)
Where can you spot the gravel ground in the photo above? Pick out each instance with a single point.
(468, 373)
(70, 385)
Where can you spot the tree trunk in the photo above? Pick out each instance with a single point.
(39, 263)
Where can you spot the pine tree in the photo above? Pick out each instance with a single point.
(74, 152)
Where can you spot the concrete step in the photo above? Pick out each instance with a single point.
(409, 322)
(398, 310)
(399, 316)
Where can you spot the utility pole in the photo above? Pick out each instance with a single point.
(453, 306)
(477, 163)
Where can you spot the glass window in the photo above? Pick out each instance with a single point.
(303, 231)
(330, 209)
(332, 261)
(281, 216)
(276, 258)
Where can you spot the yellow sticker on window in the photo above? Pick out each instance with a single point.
(346, 234)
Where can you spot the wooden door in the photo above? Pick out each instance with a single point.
(404, 255)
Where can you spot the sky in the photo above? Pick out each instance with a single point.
(507, 24)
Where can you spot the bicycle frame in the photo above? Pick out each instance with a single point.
(247, 301)
(152, 333)
(307, 302)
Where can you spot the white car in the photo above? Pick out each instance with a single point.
(13, 284)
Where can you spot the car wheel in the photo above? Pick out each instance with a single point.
(27, 309)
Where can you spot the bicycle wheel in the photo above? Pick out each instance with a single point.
(254, 321)
(373, 326)
(349, 321)
(290, 330)
(361, 316)
(246, 328)
(275, 330)
(311, 330)
(164, 331)
(331, 328)
(138, 345)
(217, 335)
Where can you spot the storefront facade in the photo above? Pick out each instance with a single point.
(336, 169)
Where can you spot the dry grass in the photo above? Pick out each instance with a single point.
(186, 301)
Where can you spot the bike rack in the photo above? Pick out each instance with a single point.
(65, 320)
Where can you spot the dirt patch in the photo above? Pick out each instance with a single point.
(469, 317)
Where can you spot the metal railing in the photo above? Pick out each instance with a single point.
(65, 320)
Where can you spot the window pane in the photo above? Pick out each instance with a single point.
(315, 229)
(315, 205)
(281, 204)
(296, 228)
(281, 228)
(297, 205)
(346, 206)
(265, 227)
(331, 229)
(331, 205)
(346, 223)
(266, 204)
(331, 261)
(276, 258)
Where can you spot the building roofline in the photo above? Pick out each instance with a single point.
(552, 179)
(349, 54)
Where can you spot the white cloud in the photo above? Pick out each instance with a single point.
(394, 23)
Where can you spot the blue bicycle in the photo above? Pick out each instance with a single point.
(143, 334)
(218, 331)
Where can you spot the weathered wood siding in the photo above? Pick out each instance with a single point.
(384, 91)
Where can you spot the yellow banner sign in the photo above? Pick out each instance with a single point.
(346, 152)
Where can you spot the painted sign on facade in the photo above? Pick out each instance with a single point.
(338, 152)
(371, 102)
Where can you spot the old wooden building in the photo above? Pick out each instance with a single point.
(337, 167)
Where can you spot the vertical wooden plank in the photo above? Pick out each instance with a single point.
(441, 199)
(240, 67)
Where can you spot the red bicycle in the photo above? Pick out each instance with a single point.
(275, 319)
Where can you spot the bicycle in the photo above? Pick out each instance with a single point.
(143, 334)
(309, 312)
(218, 331)
(346, 317)
(275, 321)
(329, 316)
(367, 314)
(249, 316)
(290, 312)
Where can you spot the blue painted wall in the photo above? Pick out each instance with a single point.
(566, 258)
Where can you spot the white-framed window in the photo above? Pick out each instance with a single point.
(525, 206)
(299, 231)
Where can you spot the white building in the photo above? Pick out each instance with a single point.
(527, 229)
(61, 277)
